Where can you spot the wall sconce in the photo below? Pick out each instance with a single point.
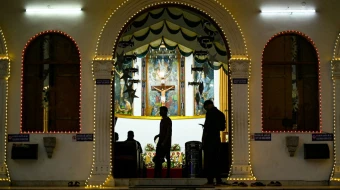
(49, 143)
(292, 143)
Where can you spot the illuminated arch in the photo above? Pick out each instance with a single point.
(319, 77)
(22, 77)
(129, 10)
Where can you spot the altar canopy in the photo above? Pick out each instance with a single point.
(175, 48)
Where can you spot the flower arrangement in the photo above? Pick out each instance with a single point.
(175, 147)
(150, 147)
(177, 158)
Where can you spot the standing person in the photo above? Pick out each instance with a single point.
(164, 143)
(211, 141)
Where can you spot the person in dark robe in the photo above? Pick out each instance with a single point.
(116, 137)
(130, 138)
(211, 142)
(163, 144)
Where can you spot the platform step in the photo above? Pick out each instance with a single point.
(172, 187)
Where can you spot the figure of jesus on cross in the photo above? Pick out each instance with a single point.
(163, 89)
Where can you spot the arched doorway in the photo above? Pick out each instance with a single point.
(239, 63)
(169, 56)
(290, 84)
(50, 84)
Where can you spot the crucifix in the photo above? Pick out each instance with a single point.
(163, 89)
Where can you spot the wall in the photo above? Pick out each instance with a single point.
(18, 27)
(71, 160)
(270, 160)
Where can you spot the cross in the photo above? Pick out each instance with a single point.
(163, 89)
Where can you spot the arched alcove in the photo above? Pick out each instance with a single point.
(290, 84)
(51, 84)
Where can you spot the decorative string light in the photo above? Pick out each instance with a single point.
(8, 178)
(334, 109)
(103, 59)
(319, 82)
(243, 57)
(22, 82)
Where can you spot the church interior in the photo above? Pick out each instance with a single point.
(75, 74)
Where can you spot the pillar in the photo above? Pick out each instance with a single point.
(336, 118)
(189, 89)
(240, 167)
(101, 168)
(4, 75)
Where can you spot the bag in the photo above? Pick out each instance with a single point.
(221, 121)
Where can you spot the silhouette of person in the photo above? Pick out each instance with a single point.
(116, 137)
(211, 142)
(130, 138)
(164, 143)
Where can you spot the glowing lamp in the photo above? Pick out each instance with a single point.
(54, 11)
(289, 11)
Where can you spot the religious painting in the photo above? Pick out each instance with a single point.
(205, 90)
(123, 103)
(162, 85)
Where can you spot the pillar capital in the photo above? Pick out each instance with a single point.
(4, 68)
(239, 68)
(102, 69)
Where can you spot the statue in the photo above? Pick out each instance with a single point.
(122, 82)
(163, 89)
(128, 107)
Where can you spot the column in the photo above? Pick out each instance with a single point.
(336, 116)
(217, 88)
(189, 89)
(4, 74)
(137, 102)
(101, 171)
(240, 168)
(223, 97)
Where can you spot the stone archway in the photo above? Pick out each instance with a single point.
(335, 64)
(4, 75)
(103, 65)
